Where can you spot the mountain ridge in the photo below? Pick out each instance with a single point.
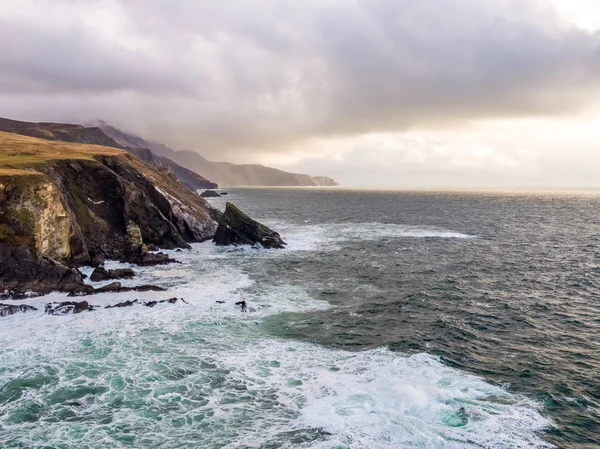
(226, 174)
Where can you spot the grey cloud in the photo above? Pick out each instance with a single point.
(42, 58)
(228, 77)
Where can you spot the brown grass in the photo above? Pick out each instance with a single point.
(17, 172)
(19, 152)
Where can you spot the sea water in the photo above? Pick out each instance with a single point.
(336, 351)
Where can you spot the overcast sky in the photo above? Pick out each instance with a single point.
(373, 92)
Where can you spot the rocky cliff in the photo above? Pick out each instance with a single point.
(94, 135)
(223, 173)
(71, 203)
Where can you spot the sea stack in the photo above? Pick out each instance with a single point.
(237, 228)
(210, 194)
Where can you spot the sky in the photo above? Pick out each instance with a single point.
(428, 93)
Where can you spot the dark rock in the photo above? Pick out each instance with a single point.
(209, 194)
(97, 261)
(224, 193)
(103, 274)
(100, 274)
(178, 250)
(145, 288)
(66, 307)
(11, 309)
(243, 305)
(147, 304)
(112, 287)
(148, 259)
(21, 270)
(235, 227)
(14, 294)
(123, 304)
(116, 287)
(122, 273)
(170, 301)
(220, 302)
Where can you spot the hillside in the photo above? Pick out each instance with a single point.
(223, 173)
(95, 136)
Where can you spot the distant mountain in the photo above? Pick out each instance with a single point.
(94, 135)
(58, 131)
(223, 173)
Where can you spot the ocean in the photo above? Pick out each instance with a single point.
(394, 319)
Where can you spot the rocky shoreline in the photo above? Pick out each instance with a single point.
(74, 205)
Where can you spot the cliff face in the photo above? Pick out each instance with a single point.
(72, 203)
(34, 214)
(223, 173)
(95, 136)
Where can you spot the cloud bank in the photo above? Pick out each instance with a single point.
(238, 77)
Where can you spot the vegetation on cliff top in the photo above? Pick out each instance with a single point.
(18, 152)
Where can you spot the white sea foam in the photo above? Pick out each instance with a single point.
(309, 237)
(204, 374)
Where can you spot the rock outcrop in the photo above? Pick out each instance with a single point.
(210, 194)
(237, 228)
(103, 274)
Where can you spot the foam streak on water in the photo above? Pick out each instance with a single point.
(206, 375)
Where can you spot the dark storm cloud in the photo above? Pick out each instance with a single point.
(223, 77)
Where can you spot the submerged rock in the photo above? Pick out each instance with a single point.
(103, 274)
(66, 307)
(209, 194)
(237, 228)
(170, 301)
(11, 309)
(116, 287)
(123, 304)
(243, 305)
(147, 304)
